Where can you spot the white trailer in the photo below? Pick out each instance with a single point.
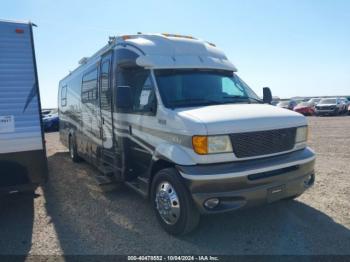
(23, 162)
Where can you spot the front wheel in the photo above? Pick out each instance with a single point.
(173, 203)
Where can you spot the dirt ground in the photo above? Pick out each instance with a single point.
(71, 215)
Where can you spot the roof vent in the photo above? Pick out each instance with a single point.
(83, 60)
(111, 40)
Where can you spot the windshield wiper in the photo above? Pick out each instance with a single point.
(245, 98)
(198, 101)
(192, 102)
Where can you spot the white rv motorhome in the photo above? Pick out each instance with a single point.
(169, 116)
(23, 164)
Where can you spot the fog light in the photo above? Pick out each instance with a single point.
(309, 180)
(211, 203)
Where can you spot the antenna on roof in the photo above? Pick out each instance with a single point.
(111, 40)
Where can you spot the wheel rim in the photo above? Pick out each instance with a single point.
(71, 150)
(167, 203)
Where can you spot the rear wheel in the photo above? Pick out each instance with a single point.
(73, 150)
(173, 203)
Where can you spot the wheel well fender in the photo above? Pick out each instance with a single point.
(167, 155)
(173, 153)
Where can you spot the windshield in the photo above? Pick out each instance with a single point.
(314, 100)
(328, 101)
(190, 87)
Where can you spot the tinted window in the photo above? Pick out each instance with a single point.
(314, 100)
(64, 96)
(89, 86)
(105, 95)
(142, 90)
(328, 101)
(181, 87)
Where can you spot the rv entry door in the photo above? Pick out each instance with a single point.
(106, 101)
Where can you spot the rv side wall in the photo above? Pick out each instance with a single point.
(22, 150)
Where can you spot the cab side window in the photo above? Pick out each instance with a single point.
(89, 87)
(143, 94)
(142, 89)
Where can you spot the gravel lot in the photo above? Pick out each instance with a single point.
(72, 216)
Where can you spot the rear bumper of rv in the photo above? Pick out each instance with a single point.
(22, 171)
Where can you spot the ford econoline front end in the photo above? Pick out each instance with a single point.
(168, 116)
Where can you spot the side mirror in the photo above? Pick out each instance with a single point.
(267, 95)
(124, 97)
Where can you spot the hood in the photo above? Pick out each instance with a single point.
(237, 118)
(326, 104)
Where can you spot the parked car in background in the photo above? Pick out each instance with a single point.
(46, 112)
(345, 102)
(349, 110)
(290, 104)
(298, 101)
(329, 106)
(314, 101)
(51, 122)
(305, 108)
(274, 102)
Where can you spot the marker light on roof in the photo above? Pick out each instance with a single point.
(126, 37)
(19, 31)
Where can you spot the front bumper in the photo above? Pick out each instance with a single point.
(250, 183)
(326, 111)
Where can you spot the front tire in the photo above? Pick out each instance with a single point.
(172, 203)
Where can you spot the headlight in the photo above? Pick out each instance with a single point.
(211, 144)
(301, 135)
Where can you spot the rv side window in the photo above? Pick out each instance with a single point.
(140, 82)
(64, 96)
(105, 94)
(89, 87)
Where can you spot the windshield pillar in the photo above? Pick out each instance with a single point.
(156, 89)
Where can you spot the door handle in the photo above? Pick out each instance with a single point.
(130, 130)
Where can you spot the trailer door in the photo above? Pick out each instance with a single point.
(106, 102)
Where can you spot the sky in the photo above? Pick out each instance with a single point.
(296, 47)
